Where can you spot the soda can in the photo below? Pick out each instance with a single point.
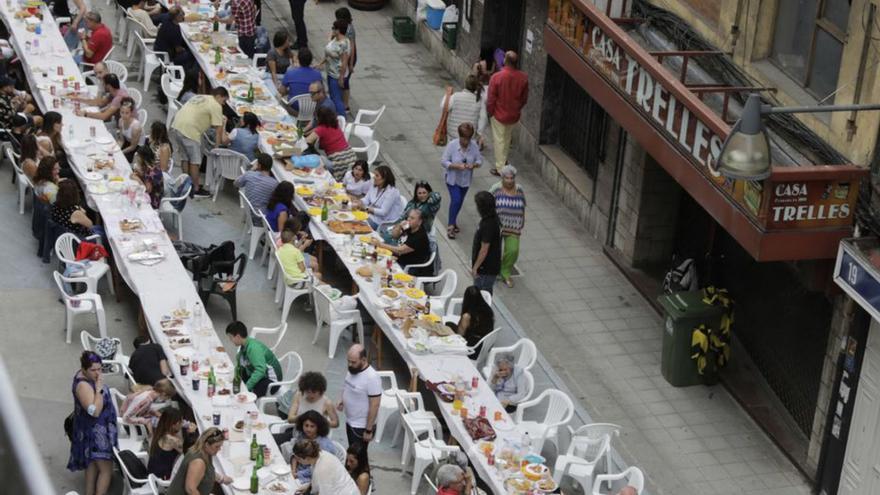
(64, 83)
(225, 433)
(482, 411)
(76, 86)
(60, 70)
(56, 103)
(196, 382)
(76, 105)
(52, 90)
(195, 365)
(216, 418)
(184, 369)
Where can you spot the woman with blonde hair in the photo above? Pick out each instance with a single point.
(196, 473)
(137, 409)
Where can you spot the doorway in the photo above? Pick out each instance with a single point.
(503, 22)
(861, 464)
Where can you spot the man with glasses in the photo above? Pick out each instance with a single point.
(319, 96)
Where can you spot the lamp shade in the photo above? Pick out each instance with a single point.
(745, 153)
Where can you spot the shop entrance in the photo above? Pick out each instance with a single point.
(503, 24)
(861, 465)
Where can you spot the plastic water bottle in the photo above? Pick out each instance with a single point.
(526, 444)
(197, 315)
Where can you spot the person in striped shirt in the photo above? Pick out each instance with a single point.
(510, 203)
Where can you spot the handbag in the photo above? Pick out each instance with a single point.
(90, 251)
(440, 131)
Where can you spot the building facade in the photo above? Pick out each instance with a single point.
(629, 103)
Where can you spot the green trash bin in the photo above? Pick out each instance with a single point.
(450, 34)
(684, 312)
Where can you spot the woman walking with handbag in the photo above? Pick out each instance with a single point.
(468, 105)
(460, 158)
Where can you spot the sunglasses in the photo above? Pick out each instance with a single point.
(315, 92)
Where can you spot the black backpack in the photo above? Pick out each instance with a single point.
(681, 278)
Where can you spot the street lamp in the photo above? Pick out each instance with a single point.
(745, 153)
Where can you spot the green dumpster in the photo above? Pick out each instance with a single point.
(450, 34)
(684, 312)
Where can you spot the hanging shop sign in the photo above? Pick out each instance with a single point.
(771, 219)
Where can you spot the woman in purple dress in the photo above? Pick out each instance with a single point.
(94, 426)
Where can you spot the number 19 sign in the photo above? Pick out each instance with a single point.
(855, 274)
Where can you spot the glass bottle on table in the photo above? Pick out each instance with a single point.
(255, 481)
(236, 381)
(217, 57)
(250, 93)
(255, 447)
(212, 382)
(260, 458)
(325, 212)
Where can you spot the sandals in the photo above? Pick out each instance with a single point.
(508, 282)
(495, 172)
(456, 229)
(450, 232)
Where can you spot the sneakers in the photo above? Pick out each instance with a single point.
(201, 193)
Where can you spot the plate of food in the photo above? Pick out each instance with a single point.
(130, 224)
(546, 485)
(175, 332)
(246, 398)
(430, 317)
(400, 313)
(503, 424)
(535, 472)
(169, 322)
(517, 484)
(389, 293)
(403, 277)
(344, 215)
(177, 342)
(239, 426)
(383, 252)
(104, 140)
(181, 313)
(277, 487)
(305, 191)
(414, 293)
(349, 227)
(360, 215)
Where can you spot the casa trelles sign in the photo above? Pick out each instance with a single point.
(685, 136)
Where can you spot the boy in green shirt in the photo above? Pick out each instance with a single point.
(257, 364)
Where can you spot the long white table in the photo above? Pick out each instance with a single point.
(162, 287)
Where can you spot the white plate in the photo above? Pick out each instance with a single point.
(104, 140)
(97, 188)
(184, 352)
(243, 483)
(280, 469)
(283, 487)
(503, 425)
(93, 176)
(249, 398)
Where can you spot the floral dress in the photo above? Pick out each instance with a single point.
(93, 438)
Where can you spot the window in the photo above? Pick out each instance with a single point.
(582, 127)
(808, 42)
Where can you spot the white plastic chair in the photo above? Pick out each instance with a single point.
(335, 319)
(117, 68)
(632, 475)
(306, 107)
(524, 350)
(485, 345)
(388, 405)
(269, 249)
(80, 304)
(412, 406)
(256, 61)
(292, 292)
(453, 307)
(92, 271)
(589, 445)
(170, 86)
(340, 119)
(445, 285)
(151, 485)
(119, 361)
(363, 125)
(425, 451)
(559, 412)
(87, 66)
(131, 437)
(257, 231)
(371, 151)
(166, 205)
(225, 164)
(151, 60)
(142, 118)
(292, 366)
(430, 262)
(136, 96)
(278, 330)
(23, 182)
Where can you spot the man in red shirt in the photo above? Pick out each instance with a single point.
(508, 94)
(99, 42)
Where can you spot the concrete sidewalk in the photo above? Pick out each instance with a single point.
(589, 322)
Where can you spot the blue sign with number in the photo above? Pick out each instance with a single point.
(858, 279)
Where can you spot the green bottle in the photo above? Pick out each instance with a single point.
(255, 481)
(260, 460)
(236, 382)
(255, 447)
(216, 23)
(324, 212)
(217, 57)
(250, 93)
(212, 382)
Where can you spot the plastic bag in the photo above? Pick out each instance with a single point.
(450, 14)
(422, 10)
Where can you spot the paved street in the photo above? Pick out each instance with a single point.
(598, 337)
